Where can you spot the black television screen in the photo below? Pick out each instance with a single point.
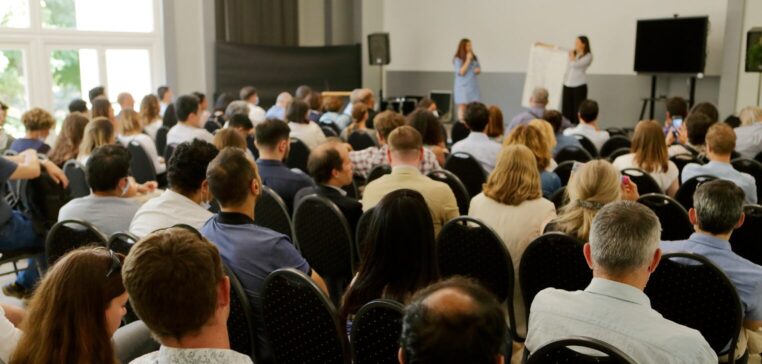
(673, 45)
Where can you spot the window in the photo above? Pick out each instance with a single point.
(13, 87)
(73, 73)
(14, 14)
(128, 70)
(98, 15)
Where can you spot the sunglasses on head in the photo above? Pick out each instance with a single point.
(116, 265)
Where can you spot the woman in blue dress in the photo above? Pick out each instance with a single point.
(466, 87)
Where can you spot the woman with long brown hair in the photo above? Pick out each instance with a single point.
(649, 153)
(149, 115)
(467, 66)
(67, 143)
(75, 310)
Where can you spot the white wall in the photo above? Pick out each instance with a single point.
(190, 37)
(425, 33)
(748, 83)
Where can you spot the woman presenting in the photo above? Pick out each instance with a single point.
(575, 79)
(466, 87)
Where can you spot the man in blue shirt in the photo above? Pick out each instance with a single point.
(555, 119)
(252, 252)
(478, 144)
(718, 209)
(537, 103)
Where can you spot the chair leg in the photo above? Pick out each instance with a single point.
(15, 268)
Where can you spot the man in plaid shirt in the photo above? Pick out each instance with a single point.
(364, 160)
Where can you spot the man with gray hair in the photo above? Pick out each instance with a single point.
(537, 103)
(717, 211)
(367, 98)
(623, 252)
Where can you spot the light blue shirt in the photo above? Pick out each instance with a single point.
(723, 171)
(563, 141)
(749, 140)
(745, 275)
(276, 112)
(530, 114)
(481, 147)
(340, 120)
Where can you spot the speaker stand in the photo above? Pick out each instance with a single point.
(759, 90)
(381, 83)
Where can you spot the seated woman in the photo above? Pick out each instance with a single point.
(75, 310)
(550, 139)
(149, 115)
(649, 153)
(432, 132)
(495, 128)
(102, 108)
(333, 115)
(229, 137)
(533, 138)
(513, 206)
(591, 186)
(37, 123)
(301, 127)
(99, 131)
(67, 143)
(399, 256)
(132, 131)
(359, 119)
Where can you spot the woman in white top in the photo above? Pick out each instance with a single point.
(131, 131)
(513, 206)
(575, 79)
(302, 128)
(649, 153)
(149, 115)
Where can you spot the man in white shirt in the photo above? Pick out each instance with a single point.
(623, 252)
(190, 322)
(478, 144)
(256, 113)
(189, 122)
(186, 199)
(588, 124)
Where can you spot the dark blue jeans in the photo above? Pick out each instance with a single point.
(17, 234)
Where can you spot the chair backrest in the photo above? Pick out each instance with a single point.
(560, 352)
(300, 321)
(563, 170)
(618, 153)
(241, 319)
(378, 171)
(644, 181)
(376, 331)
(141, 165)
(122, 242)
(614, 131)
(360, 141)
(468, 169)
(684, 194)
(363, 224)
(42, 199)
(587, 144)
(459, 132)
(616, 142)
(458, 189)
(68, 235)
(352, 190)
(560, 198)
(298, 155)
(675, 224)
(168, 151)
(681, 160)
(751, 167)
(553, 260)
(161, 140)
(271, 212)
(758, 157)
(689, 290)
(78, 185)
(746, 241)
(328, 130)
(573, 153)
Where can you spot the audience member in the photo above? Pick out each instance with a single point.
(68, 141)
(432, 133)
(405, 156)
(102, 108)
(495, 129)
(332, 115)
(273, 144)
(302, 128)
(229, 138)
(546, 130)
(691, 136)
(733, 121)
(532, 138)
(187, 199)
(749, 134)
(315, 102)
(399, 256)
(256, 113)
(649, 153)
(242, 125)
(164, 93)
(512, 205)
(132, 130)
(78, 105)
(96, 92)
(278, 111)
(37, 123)
(453, 321)
(477, 143)
(364, 160)
(302, 92)
(359, 119)
(189, 122)
(364, 95)
(622, 252)
(5, 139)
(149, 115)
(98, 132)
(538, 101)
(428, 105)
(588, 124)
(217, 119)
(236, 107)
(251, 251)
(191, 322)
(677, 110)
(125, 101)
(555, 118)
(708, 109)
(203, 106)
(720, 143)
(76, 309)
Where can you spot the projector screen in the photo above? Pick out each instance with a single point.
(673, 45)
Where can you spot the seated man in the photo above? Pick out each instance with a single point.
(37, 123)
(187, 198)
(256, 113)
(717, 211)
(190, 322)
(251, 251)
(623, 252)
(478, 144)
(453, 321)
(108, 208)
(273, 143)
(588, 124)
(405, 154)
(538, 101)
(330, 167)
(385, 122)
(189, 125)
(278, 111)
(720, 142)
(554, 118)
(690, 136)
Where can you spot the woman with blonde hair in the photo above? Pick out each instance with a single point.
(495, 128)
(750, 115)
(149, 115)
(358, 125)
(513, 206)
(102, 108)
(132, 130)
(749, 134)
(532, 138)
(67, 143)
(649, 153)
(99, 131)
(550, 138)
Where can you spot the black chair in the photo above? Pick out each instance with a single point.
(459, 132)
(376, 331)
(78, 185)
(325, 241)
(241, 319)
(15, 256)
(614, 143)
(587, 144)
(563, 170)
(644, 181)
(378, 171)
(469, 170)
(298, 155)
(553, 260)
(141, 165)
(675, 224)
(458, 189)
(573, 153)
(168, 151)
(68, 235)
(300, 321)
(122, 242)
(559, 198)
(618, 153)
(271, 212)
(42, 199)
(363, 224)
(360, 141)
(758, 157)
(468, 247)
(613, 131)
(352, 190)
(161, 140)
(684, 194)
(689, 290)
(681, 160)
(560, 352)
(751, 167)
(328, 131)
(746, 241)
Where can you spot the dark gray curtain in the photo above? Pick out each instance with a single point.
(257, 22)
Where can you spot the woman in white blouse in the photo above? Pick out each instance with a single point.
(302, 128)
(575, 79)
(513, 206)
(132, 131)
(649, 153)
